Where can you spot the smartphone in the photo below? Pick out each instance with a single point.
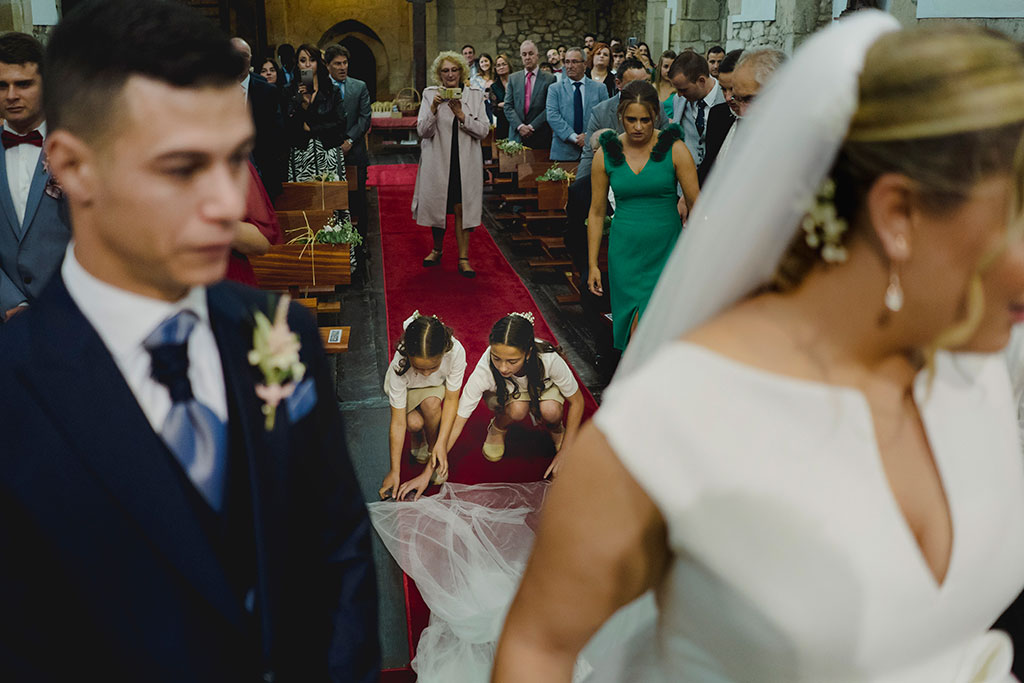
(451, 93)
(632, 41)
(306, 78)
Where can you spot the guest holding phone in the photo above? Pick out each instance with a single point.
(451, 123)
(315, 120)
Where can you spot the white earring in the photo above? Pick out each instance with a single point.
(894, 292)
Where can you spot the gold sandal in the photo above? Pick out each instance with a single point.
(494, 451)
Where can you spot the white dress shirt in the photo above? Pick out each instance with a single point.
(245, 85)
(21, 163)
(123, 320)
(685, 114)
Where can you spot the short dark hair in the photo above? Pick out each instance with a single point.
(334, 51)
(100, 44)
(691, 65)
(631, 63)
(715, 49)
(728, 64)
(614, 39)
(287, 54)
(21, 48)
(469, 46)
(561, 47)
(589, 35)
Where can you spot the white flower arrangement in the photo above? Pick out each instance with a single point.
(527, 315)
(823, 228)
(275, 351)
(335, 231)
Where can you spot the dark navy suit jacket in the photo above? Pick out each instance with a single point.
(110, 567)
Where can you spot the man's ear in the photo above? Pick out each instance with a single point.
(890, 208)
(73, 163)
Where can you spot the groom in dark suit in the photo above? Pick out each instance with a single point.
(175, 496)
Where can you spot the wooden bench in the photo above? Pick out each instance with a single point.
(313, 195)
(335, 338)
(314, 306)
(300, 267)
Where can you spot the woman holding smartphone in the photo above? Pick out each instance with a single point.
(315, 120)
(450, 180)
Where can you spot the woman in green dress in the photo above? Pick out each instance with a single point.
(643, 166)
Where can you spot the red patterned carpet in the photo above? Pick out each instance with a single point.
(470, 307)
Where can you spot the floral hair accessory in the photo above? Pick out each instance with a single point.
(527, 315)
(275, 351)
(822, 226)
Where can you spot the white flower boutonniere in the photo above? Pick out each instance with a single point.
(275, 351)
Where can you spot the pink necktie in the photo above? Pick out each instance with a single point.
(529, 92)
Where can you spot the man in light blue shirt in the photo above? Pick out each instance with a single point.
(569, 104)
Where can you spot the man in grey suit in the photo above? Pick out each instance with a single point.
(356, 101)
(604, 116)
(526, 101)
(569, 104)
(34, 229)
(696, 92)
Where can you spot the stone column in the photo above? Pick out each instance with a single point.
(699, 25)
(16, 15)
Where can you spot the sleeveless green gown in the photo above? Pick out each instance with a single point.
(644, 228)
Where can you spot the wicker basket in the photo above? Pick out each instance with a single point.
(408, 101)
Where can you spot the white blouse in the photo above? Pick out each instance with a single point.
(450, 374)
(556, 372)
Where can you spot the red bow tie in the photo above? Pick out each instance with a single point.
(10, 139)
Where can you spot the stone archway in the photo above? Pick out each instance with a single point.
(369, 61)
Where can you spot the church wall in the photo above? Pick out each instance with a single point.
(906, 12)
(547, 24)
(306, 21)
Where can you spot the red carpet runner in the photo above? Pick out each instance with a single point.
(470, 307)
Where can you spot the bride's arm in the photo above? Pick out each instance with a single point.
(601, 543)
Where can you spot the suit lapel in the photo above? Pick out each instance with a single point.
(78, 384)
(536, 86)
(5, 198)
(265, 452)
(35, 194)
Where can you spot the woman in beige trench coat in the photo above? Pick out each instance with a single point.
(450, 131)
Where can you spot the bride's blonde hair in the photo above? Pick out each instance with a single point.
(944, 106)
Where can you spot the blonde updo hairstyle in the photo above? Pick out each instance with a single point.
(454, 58)
(943, 106)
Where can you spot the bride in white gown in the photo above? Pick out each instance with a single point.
(810, 454)
(812, 485)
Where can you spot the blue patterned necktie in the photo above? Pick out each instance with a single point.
(196, 436)
(700, 117)
(577, 108)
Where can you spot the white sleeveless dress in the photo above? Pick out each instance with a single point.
(792, 561)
